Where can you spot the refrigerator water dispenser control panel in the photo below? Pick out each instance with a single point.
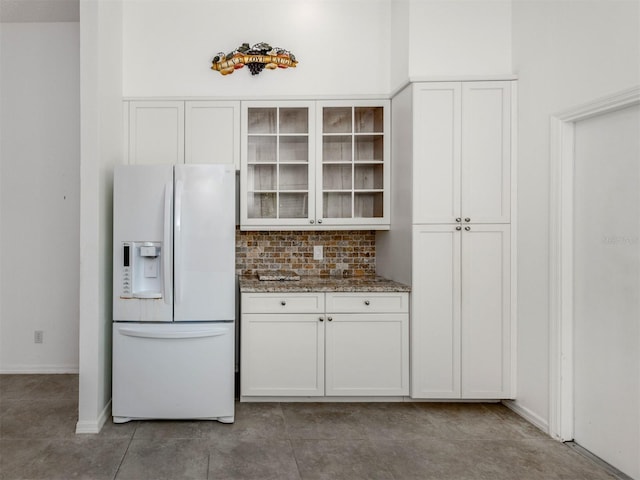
(141, 270)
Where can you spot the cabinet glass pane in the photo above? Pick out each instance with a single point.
(261, 149)
(367, 205)
(336, 205)
(294, 120)
(369, 120)
(294, 205)
(294, 149)
(336, 148)
(262, 120)
(369, 147)
(261, 205)
(336, 120)
(294, 177)
(368, 177)
(336, 177)
(261, 177)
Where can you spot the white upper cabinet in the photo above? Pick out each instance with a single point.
(315, 165)
(277, 174)
(177, 131)
(212, 132)
(352, 162)
(462, 152)
(156, 132)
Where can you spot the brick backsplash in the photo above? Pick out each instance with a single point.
(346, 253)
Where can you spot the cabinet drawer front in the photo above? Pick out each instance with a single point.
(282, 303)
(368, 302)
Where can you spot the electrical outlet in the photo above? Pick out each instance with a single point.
(38, 336)
(317, 252)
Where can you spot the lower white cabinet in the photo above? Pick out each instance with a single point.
(317, 344)
(461, 317)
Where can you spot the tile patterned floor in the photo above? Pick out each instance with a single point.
(281, 441)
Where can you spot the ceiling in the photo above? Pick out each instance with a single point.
(24, 11)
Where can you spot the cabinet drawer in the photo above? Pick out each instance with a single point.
(368, 302)
(282, 303)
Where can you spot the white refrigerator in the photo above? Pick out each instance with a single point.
(173, 292)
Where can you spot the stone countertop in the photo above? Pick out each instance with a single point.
(321, 284)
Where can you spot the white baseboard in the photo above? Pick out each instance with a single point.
(39, 369)
(91, 426)
(528, 415)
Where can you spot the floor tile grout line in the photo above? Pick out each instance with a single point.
(125, 453)
(295, 458)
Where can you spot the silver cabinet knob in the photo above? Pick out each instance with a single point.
(319, 220)
(283, 303)
(367, 302)
(467, 228)
(330, 319)
(467, 219)
(458, 228)
(321, 319)
(312, 221)
(458, 219)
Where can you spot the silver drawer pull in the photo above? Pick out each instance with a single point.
(330, 319)
(367, 302)
(321, 319)
(283, 303)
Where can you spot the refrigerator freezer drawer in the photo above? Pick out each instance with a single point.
(173, 371)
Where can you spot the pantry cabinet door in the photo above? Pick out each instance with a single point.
(436, 160)
(212, 132)
(486, 312)
(156, 132)
(435, 312)
(486, 152)
(282, 354)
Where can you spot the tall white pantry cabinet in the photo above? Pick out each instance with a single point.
(453, 235)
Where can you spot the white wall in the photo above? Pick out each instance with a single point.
(101, 133)
(399, 44)
(565, 54)
(450, 38)
(40, 196)
(342, 46)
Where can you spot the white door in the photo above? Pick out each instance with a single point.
(212, 132)
(282, 354)
(486, 311)
(435, 312)
(436, 158)
(607, 288)
(156, 132)
(486, 152)
(204, 243)
(142, 212)
(366, 354)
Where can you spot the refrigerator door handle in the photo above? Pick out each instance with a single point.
(177, 242)
(150, 333)
(166, 249)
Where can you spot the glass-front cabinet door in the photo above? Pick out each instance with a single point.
(277, 169)
(352, 171)
(315, 165)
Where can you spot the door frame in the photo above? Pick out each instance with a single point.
(562, 143)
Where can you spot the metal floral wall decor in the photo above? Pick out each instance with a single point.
(256, 58)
